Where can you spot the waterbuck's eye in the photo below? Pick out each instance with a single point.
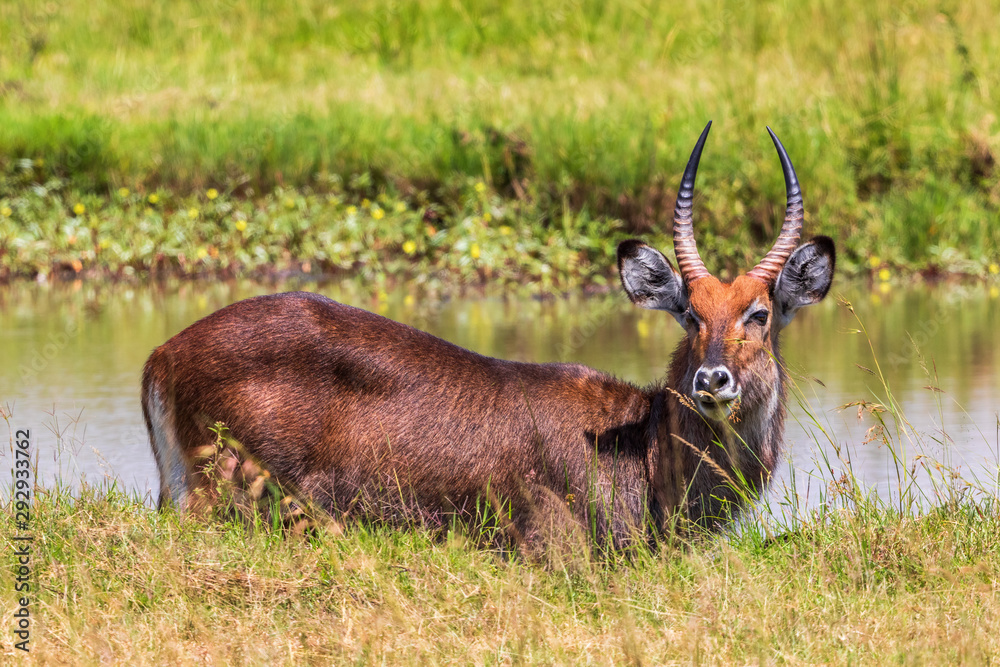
(760, 317)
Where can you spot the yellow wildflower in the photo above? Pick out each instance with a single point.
(241, 225)
(994, 292)
(874, 261)
(409, 300)
(289, 203)
(480, 187)
(400, 206)
(104, 244)
(487, 216)
(474, 251)
(994, 269)
(883, 275)
(123, 192)
(409, 247)
(378, 213)
(79, 209)
(6, 211)
(352, 210)
(505, 230)
(193, 213)
(202, 253)
(212, 193)
(153, 198)
(365, 203)
(884, 288)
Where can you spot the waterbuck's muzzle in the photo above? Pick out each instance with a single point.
(716, 391)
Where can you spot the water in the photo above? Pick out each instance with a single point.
(72, 356)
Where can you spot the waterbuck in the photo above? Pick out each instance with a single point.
(372, 418)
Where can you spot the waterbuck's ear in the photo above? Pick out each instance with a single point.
(805, 278)
(649, 279)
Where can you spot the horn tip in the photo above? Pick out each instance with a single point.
(775, 140)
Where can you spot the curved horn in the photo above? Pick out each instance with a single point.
(791, 231)
(688, 260)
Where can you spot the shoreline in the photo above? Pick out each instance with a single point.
(275, 276)
(483, 238)
(65, 273)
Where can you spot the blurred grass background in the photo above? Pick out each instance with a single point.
(574, 110)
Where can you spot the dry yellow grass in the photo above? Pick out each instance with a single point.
(120, 583)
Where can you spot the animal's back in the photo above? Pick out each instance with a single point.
(346, 404)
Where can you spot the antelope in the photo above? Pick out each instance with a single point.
(367, 416)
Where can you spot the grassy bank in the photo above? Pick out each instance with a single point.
(479, 238)
(576, 119)
(120, 582)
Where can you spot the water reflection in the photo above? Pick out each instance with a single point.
(72, 356)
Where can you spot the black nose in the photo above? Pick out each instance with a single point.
(713, 382)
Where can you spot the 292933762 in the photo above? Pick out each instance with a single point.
(22, 539)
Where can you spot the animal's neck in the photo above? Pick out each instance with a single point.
(718, 467)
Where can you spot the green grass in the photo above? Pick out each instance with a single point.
(120, 582)
(569, 113)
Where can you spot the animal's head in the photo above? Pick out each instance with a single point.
(732, 327)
